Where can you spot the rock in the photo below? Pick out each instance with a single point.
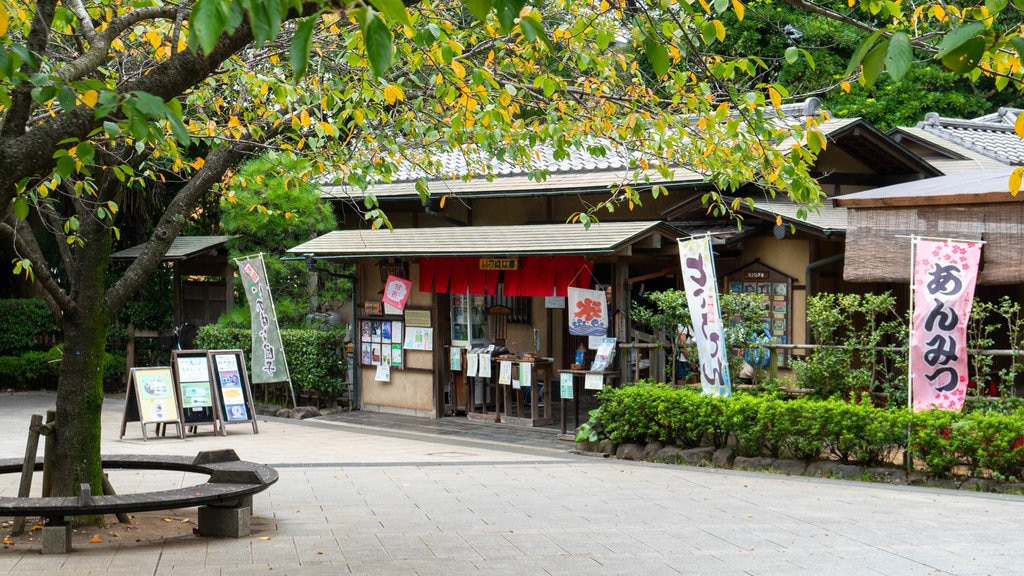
(978, 485)
(606, 446)
(723, 458)
(789, 467)
(698, 456)
(303, 412)
(651, 449)
(887, 475)
(832, 469)
(630, 451)
(669, 455)
(757, 464)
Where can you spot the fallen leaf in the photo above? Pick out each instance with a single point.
(8, 541)
(37, 527)
(95, 540)
(264, 537)
(168, 520)
(185, 520)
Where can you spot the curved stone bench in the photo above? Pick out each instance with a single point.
(225, 500)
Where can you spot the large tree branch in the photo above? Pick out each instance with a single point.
(21, 96)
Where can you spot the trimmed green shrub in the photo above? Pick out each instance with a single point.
(29, 325)
(316, 359)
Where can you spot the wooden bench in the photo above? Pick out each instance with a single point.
(224, 500)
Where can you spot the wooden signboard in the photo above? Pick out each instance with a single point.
(151, 399)
(232, 388)
(199, 405)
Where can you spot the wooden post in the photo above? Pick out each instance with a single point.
(27, 468)
(108, 488)
(51, 418)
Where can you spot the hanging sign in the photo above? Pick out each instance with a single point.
(701, 286)
(396, 292)
(499, 263)
(588, 312)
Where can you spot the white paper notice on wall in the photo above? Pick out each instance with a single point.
(593, 382)
(472, 361)
(505, 372)
(383, 373)
(484, 369)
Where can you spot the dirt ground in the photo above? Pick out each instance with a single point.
(145, 529)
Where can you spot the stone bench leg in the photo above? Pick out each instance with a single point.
(57, 538)
(232, 521)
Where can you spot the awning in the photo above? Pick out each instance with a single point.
(603, 238)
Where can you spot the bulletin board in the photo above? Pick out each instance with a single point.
(776, 289)
(151, 399)
(231, 383)
(194, 375)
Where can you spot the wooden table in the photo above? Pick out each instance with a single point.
(514, 409)
(579, 377)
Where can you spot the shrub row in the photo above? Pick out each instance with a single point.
(39, 371)
(316, 359)
(942, 443)
(29, 326)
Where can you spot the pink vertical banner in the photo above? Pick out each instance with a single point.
(701, 287)
(944, 276)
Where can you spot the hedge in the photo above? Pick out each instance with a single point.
(36, 370)
(316, 359)
(942, 443)
(29, 326)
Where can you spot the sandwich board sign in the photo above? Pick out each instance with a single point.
(232, 389)
(194, 375)
(151, 399)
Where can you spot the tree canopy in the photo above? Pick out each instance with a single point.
(108, 100)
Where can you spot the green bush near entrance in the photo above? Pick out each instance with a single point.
(316, 359)
(973, 443)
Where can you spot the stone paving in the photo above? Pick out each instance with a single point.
(364, 493)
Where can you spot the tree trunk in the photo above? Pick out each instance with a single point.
(80, 384)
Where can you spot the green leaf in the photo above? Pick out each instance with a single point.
(302, 42)
(67, 98)
(261, 22)
(533, 29)
(393, 10)
(148, 104)
(899, 55)
(874, 62)
(21, 208)
(958, 37)
(86, 152)
(792, 53)
(995, 6)
(657, 55)
(479, 8)
(862, 50)
(721, 6)
(508, 11)
(207, 22)
(965, 56)
(378, 43)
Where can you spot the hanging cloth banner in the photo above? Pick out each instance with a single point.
(268, 362)
(396, 291)
(588, 312)
(701, 287)
(943, 289)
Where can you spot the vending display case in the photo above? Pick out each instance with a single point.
(469, 321)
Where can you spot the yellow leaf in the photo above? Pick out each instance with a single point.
(304, 119)
(459, 69)
(1015, 178)
(198, 163)
(95, 540)
(739, 9)
(443, 198)
(845, 86)
(851, 3)
(776, 98)
(393, 94)
(233, 121)
(1018, 126)
(168, 520)
(5, 19)
(154, 39)
(327, 128)
(90, 98)
(7, 541)
(719, 30)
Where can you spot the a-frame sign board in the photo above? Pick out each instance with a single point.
(152, 399)
(199, 404)
(232, 387)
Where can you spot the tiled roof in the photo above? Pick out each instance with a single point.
(991, 135)
(579, 171)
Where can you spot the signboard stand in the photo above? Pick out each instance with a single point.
(231, 385)
(151, 399)
(194, 375)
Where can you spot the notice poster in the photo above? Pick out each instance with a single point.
(195, 384)
(231, 388)
(593, 382)
(472, 362)
(565, 385)
(505, 372)
(156, 395)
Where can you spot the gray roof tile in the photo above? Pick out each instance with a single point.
(991, 135)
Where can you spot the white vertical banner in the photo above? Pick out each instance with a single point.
(701, 286)
(268, 361)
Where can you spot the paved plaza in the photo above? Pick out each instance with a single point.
(364, 493)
